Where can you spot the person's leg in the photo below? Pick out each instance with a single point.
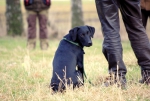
(144, 17)
(132, 18)
(31, 19)
(112, 48)
(43, 18)
(148, 14)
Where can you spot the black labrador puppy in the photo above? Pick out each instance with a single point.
(68, 60)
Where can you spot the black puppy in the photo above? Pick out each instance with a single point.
(68, 60)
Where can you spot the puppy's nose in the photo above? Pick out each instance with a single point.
(90, 43)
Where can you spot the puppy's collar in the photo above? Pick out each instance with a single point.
(72, 42)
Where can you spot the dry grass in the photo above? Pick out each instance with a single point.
(25, 75)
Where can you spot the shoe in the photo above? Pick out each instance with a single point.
(44, 44)
(146, 81)
(110, 80)
(145, 77)
(123, 86)
(141, 81)
(31, 44)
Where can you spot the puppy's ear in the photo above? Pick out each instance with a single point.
(73, 33)
(92, 30)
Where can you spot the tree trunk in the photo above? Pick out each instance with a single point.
(14, 21)
(77, 13)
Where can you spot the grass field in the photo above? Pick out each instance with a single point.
(25, 75)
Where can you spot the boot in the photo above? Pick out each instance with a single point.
(31, 44)
(111, 80)
(145, 77)
(44, 44)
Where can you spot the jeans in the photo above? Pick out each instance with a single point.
(108, 12)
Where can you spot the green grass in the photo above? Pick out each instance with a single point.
(25, 75)
(2, 6)
(2, 2)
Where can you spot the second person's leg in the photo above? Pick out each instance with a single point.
(112, 48)
(43, 18)
(31, 19)
(132, 18)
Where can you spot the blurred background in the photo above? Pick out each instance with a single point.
(60, 15)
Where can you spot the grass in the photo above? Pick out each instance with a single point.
(2, 6)
(25, 75)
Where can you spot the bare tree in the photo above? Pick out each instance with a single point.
(76, 13)
(14, 21)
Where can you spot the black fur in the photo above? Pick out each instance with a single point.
(68, 60)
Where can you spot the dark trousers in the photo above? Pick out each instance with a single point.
(112, 48)
(31, 19)
(145, 15)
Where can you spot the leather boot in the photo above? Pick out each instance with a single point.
(44, 44)
(119, 81)
(145, 77)
(31, 44)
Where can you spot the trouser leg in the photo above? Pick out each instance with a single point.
(132, 18)
(149, 14)
(43, 29)
(144, 17)
(43, 18)
(112, 48)
(31, 19)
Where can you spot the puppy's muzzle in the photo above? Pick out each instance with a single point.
(89, 44)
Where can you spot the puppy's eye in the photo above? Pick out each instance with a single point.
(82, 35)
(87, 33)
